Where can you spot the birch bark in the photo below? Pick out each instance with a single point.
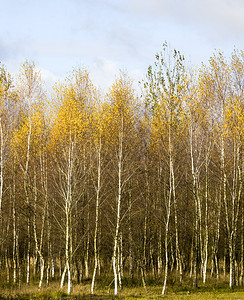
(98, 187)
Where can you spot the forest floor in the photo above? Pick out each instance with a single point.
(82, 291)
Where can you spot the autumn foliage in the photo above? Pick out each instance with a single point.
(124, 185)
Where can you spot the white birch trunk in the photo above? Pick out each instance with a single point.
(15, 236)
(145, 224)
(14, 246)
(242, 248)
(119, 263)
(116, 237)
(97, 215)
(166, 246)
(168, 208)
(195, 196)
(177, 247)
(131, 260)
(120, 257)
(114, 258)
(205, 262)
(63, 276)
(68, 203)
(28, 202)
(38, 244)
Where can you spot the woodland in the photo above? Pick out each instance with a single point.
(123, 188)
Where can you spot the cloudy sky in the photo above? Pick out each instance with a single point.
(105, 36)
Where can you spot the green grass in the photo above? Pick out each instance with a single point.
(132, 290)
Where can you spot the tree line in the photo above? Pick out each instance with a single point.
(118, 185)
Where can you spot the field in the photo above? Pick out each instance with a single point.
(131, 290)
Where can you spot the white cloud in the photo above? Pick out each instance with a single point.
(224, 15)
(103, 72)
(48, 78)
(108, 35)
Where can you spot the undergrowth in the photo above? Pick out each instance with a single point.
(132, 289)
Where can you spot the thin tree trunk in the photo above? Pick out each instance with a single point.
(50, 260)
(15, 242)
(7, 266)
(28, 204)
(131, 256)
(67, 259)
(225, 258)
(68, 203)
(87, 247)
(160, 263)
(143, 277)
(205, 262)
(38, 244)
(172, 255)
(116, 237)
(196, 199)
(195, 252)
(177, 247)
(166, 247)
(191, 257)
(97, 216)
(151, 258)
(115, 258)
(242, 248)
(120, 260)
(168, 211)
(145, 223)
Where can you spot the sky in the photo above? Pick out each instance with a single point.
(106, 36)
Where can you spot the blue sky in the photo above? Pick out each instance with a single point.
(105, 36)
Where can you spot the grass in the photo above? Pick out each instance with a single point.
(132, 290)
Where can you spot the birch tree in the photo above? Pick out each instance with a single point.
(163, 87)
(5, 106)
(200, 145)
(29, 91)
(120, 122)
(8, 111)
(224, 99)
(98, 128)
(68, 135)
